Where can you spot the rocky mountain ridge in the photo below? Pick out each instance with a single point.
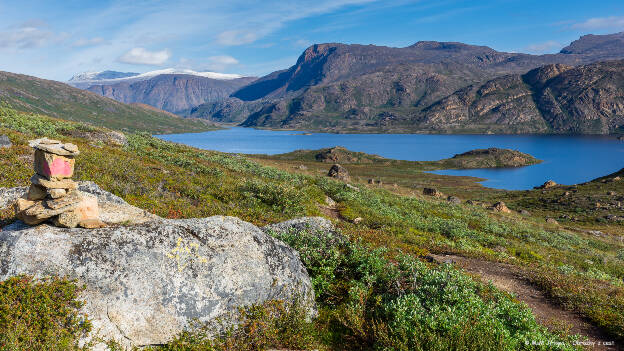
(586, 99)
(176, 93)
(370, 88)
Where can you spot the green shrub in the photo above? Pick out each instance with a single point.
(375, 303)
(274, 324)
(40, 314)
(32, 123)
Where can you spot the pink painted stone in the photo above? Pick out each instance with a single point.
(53, 166)
(59, 167)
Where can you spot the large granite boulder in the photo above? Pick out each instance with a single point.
(146, 283)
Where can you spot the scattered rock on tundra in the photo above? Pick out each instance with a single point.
(432, 192)
(552, 221)
(547, 185)
(454, 200)
(5, 142)
(338, 172)
(500, 207)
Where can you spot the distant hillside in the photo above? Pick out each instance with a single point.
(56, 99)
(176, 93)
(374, 88)
(586, 99)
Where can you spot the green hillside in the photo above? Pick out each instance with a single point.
(378, 290)
(31, 94)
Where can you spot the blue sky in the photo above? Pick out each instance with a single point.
(56, 39)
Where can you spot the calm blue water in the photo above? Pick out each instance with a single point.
(567, 159)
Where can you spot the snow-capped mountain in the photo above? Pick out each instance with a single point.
(87, 79)
(103, 75)
(173, 90)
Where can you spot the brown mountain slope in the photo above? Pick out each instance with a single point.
(371, 88)
(586, 99)
(333, 62)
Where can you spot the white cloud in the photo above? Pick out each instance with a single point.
(270, 16)
(302, 43)
(26, 36)
(545, 47)
(141, 56)
(194, 29)
(236, 37)
(612, 22)
(220, 63)
(223, 60)
(83, 42)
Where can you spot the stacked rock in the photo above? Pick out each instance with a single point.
(52, 195)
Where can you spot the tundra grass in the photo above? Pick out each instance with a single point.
(373, 299)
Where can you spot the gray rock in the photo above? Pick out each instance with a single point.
(5, 142)
(551, 221)
(102, 195)
(349, 186)
(8, 196)
(454, 200)
(317, 227)
(338, 172)
(146, 283)
(116, 138)
(432, 192)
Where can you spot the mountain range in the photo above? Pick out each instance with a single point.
(172, 90)
(429, 86)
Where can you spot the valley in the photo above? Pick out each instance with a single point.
(246, 176)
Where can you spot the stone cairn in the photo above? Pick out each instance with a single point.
(52, 195)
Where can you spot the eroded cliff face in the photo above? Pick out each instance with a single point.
(176, 93)
(432, 87)
(551, 99)
(557, 98)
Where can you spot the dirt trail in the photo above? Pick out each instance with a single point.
(509, 278)
(330, 209)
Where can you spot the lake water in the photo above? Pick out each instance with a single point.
(567, 159)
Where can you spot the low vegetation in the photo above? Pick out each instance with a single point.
(372, 289)
(34, 95)
(40, 315)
